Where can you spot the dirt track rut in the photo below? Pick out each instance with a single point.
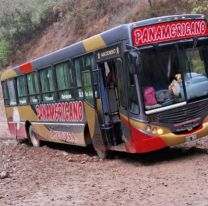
(65, 175)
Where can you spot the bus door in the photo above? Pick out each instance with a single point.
(109, 93)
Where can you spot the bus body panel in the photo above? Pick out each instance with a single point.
(142, 142)
(64, 132)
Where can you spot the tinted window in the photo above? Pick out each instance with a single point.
(87, 85)
(22, 90)
(83, 67)
(64, 81)
(47, 84)
(33, 87)
(78, 66)
(11, 92)
(5, 92)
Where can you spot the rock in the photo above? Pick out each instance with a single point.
(4, 175)
(70, 159)
(65, 153)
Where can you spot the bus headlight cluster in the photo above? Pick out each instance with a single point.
(154, 130)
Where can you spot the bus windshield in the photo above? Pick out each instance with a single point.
(174, 74)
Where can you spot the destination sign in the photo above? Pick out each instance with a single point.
(169, 31)
(109, 52)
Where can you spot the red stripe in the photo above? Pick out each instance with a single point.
(144, 143)
(140, 142)
(26, 68)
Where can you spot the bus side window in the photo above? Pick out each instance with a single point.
(47, 85)
(88, 92)
(12, 92)
(21, 90)
(95, 76)
(5, 93)
(64, 81)
(87, 79)
(78, 65)
(33, 88)
(83, 68)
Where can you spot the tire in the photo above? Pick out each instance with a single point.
(33, 138)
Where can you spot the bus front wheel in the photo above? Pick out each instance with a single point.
(33, 138)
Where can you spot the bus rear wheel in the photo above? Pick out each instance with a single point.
(33, 138)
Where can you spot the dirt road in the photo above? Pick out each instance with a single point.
(65, 175)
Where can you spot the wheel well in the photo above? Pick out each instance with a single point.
(87, 136)
(27, 126)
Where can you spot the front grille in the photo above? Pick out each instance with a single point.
(182, 114)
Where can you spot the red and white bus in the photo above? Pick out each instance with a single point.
(138, 87)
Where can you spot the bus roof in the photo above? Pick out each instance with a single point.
(99, 41)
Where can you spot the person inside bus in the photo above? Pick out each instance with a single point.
(111, 87)
(175, 85)
(110, 80)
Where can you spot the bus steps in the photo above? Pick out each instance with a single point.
(113, 133)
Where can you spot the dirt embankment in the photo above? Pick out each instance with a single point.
(63, 175)
(83, 19)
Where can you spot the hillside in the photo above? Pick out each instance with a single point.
(73, 21)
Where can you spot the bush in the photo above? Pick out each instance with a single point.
(4, 52)
(199, 8)
(20, 20)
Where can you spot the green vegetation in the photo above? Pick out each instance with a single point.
(22, 17)
(19, 20)
(4, 51)
(199, 6)
(23, 20)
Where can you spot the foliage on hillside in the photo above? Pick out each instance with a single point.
(67, 21)
(18, 20)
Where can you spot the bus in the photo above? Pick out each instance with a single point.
(136, 88)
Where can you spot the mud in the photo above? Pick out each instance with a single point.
(65, 175)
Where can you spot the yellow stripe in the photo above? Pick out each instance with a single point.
(168, 137)
(172, 139)
(26, 113)
(8, 74)
(90, 114)
(94, 43)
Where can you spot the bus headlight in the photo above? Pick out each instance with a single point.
(160, 131)
(154, 130)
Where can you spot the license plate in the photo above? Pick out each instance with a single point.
(191, 138)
